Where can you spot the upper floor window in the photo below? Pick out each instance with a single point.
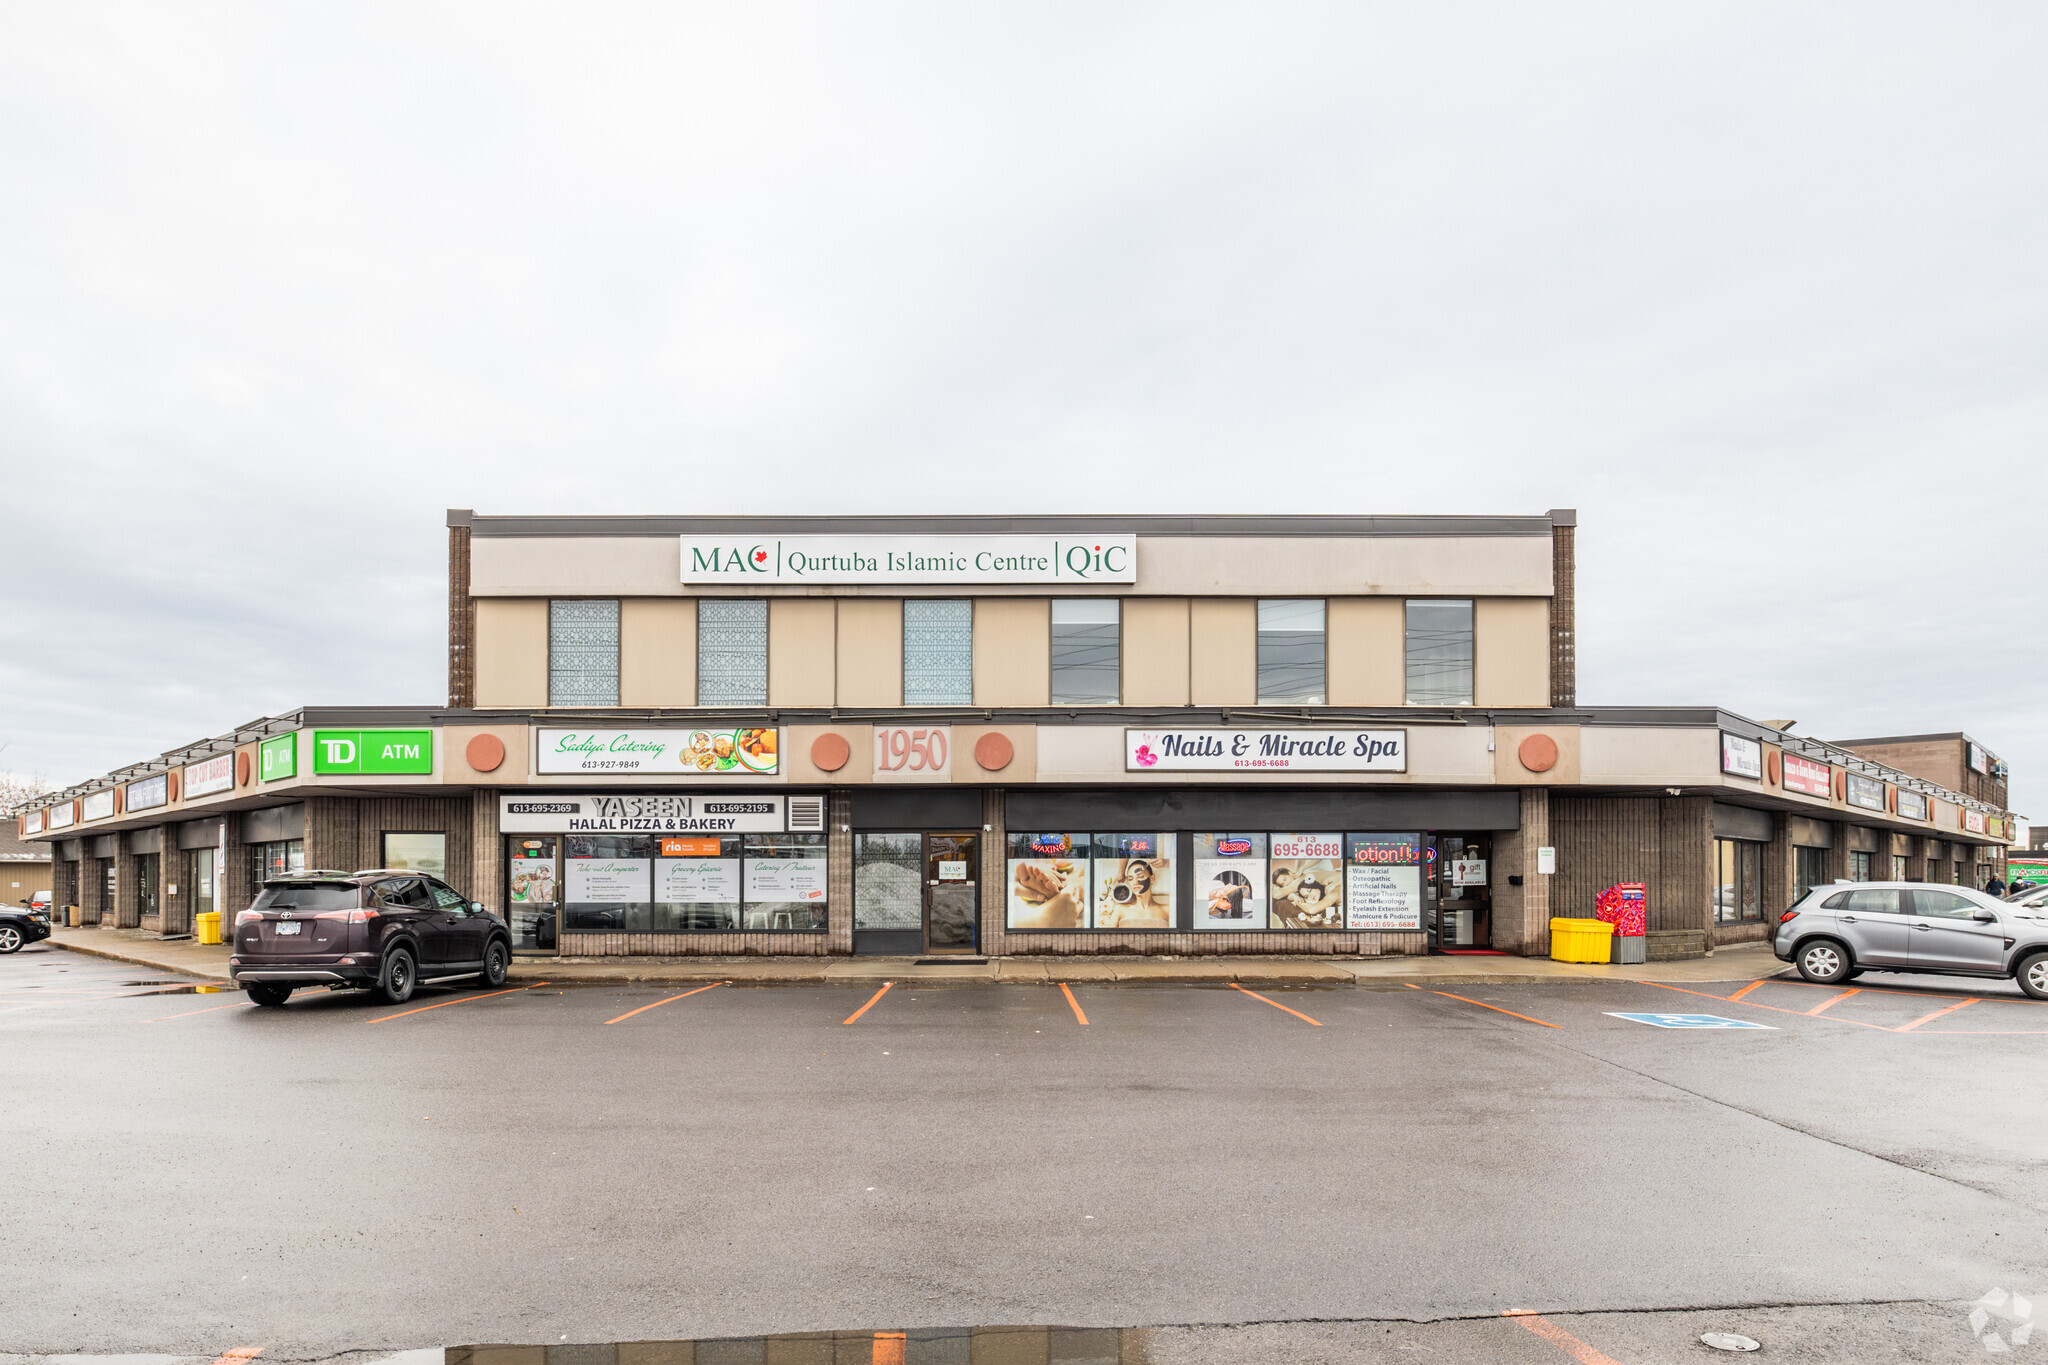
(583, 652)
(1439, 652)
(1291, 652)
(938, 652)
(732, 652)
(1086, 643)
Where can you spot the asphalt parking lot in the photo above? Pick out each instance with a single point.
(194, 1174)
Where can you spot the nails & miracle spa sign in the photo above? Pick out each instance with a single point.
(1345, 751)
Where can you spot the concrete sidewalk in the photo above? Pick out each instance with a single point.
(1744, 963)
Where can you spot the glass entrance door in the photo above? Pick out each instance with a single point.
(952, 900)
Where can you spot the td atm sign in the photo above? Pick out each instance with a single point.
(373, 751)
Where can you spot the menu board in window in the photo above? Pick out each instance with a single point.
(1230, 881)
(596, 872)
(1048, 887)
(1133, 877)
(697, 872)
(1383, 881)
(1306, 878)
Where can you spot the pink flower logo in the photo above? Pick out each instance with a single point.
(1146, 758)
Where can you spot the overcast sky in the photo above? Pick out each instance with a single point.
(1758, 288)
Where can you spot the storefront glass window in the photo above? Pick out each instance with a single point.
(1383, 881)
(1439, 652)
(732, 653)
(1859, 867)
(199, 877)
(1049, 881)
(426, 853)
(888, 882)
(146, 883)
(532, 893)
(1809, 869)
(1898, 867)
(938, 652)
(1305, 876)
(1230, 881)
(606, 880)
(280, 858)
(1739, 880)
(784, 881)
(583, 653)
(697, 883)
(1086, 642)
(1291, 652)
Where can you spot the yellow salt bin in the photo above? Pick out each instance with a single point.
(1581, 940)
(207, 926)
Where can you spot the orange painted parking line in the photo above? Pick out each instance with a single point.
(458, 1000)
(889, 1347)
(1561, 1339)
(1747, 989)
(1929, 1018)
(1483, 1005)
(1879, 988)
(644, 1008)
(1751, 1004)
(1276, 1004)
(1835, 1000)
(238, 1005)
(238, 1354)
(871, 1002)
(1076, 1004)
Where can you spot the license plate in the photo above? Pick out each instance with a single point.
(289, 927)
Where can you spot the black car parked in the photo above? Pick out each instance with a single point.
(26, 923)
(385, 929)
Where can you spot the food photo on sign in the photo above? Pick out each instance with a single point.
(1133, 881)
(1048, 881)
(1306, 876)
(1230, 881)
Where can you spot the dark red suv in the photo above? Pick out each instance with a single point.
(385, 929)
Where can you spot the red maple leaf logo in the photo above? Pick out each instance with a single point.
(760, 556)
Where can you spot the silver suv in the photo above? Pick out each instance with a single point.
(1839, 931)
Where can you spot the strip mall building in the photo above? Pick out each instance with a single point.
(1019, 735)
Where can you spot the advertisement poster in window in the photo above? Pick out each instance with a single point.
(1306, 876)
(606, 880)
(1133, 877)
(1230, 881)
(1383, 881)
(1805, 775)
(1048, 881)
(696, 872)
(533, 872)
(786, 879)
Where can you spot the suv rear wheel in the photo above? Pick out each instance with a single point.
(395, 988)
(497, 964)
(2033, 976)
(1824, 962)
(269, 992)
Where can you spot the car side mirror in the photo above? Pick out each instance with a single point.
(476, 907)
(1984, 916)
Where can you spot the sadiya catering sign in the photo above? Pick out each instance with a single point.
(909, 559)
(1364, 751)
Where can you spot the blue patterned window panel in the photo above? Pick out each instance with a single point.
(732, 653)
(938, 653)
(583, 653)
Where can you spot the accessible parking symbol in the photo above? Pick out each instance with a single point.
(1686, 1020)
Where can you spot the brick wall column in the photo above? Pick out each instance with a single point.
(839, 871)
(333, 834)
(486, 852)
(174, 908)
(1837, 861)
(1564, 668)
(1521, 914)
(461, 614)
(1686, 861)
(127, 889)
(1780, 873)
(995, 874)
(237, 879)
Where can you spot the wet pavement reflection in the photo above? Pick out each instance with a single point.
(913, 1346)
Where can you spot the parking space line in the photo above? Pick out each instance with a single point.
(1835, 1000)
(1075, 1003)
(1561, 1339)
(890, 1347)
(240, 1353)
(1276, 1004)
(657, 1004)
(458, 1000)
(238, 1005)
(1483, 1005)
(1750, 987)
(1751, 1004)
(871, 1002)
(1929, 1018)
